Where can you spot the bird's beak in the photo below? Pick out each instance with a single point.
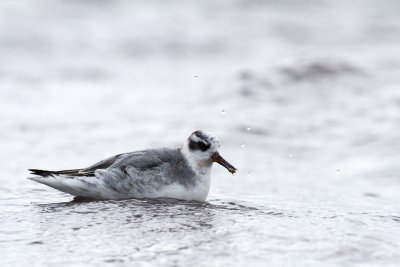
(216, 157)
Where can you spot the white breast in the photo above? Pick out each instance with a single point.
(199, 192)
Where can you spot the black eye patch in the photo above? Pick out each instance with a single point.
(198, 145)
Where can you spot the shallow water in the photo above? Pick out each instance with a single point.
(304, 98)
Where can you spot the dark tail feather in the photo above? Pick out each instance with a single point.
(75, 172)
(42, 172)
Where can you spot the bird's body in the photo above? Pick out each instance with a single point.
(183, 173)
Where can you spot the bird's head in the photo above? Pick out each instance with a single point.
(201, 148)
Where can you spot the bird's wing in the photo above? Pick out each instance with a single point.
(141, 165)
(142, 159)
(139, 173)
(121, 176)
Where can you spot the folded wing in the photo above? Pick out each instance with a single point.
(134, 174)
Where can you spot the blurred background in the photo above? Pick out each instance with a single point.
(304, 96)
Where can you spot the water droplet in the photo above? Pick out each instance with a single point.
(196, 76)
(338, 170)
(223, 112)
(248, 128)
(248, 173)
(290, 155)
(243, 145)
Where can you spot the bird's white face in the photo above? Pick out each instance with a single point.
(202, 148)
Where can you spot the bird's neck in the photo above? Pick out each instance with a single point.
(200, 167)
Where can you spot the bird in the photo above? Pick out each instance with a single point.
(180, 173)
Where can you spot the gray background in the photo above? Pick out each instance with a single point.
(304, 96)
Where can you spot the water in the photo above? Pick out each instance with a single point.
(311, 90)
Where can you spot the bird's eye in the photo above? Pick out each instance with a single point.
(202, 145)
(198, 145)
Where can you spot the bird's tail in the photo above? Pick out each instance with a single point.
(42, 173)
(65, 182)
